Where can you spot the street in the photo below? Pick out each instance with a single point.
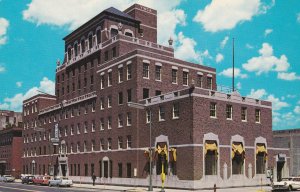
(18, 187)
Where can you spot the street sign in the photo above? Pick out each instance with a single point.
(56, 131)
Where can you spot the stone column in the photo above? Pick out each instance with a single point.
(225, 168)
(250, 171)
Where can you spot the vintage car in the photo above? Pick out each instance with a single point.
(60, 181)
(41, 180)
(28, 179)
(7, 178)
(291, 183)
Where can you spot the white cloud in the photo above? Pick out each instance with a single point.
(4, 23)
(219, 57)
(237, 73)
(43, 12)
(298, 102)
(277, 104)
(298, 17)
(224, 42)
(288, 76)
(4, 106)
(268, 31)
(291, 96)
(2, 69)
(266, 61)
(248, 46)
(297, 109)
(226, 14)
(239, 85)
(19, 84)
(15, 102)
(257, 94)
(185, 49)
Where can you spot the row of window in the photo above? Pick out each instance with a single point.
(213, 112)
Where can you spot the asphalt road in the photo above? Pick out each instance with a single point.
(18, 187)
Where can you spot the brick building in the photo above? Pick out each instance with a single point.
(9, 119)
(289, 139)
(201, 136)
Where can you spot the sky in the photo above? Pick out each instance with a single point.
(266, 35)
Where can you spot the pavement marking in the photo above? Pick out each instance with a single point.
(20, 189)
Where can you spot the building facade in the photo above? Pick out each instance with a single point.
(199, 136)
(290, 139)
(9, 119)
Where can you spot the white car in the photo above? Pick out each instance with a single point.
(60, 181)
(291, 183)
(7, 178)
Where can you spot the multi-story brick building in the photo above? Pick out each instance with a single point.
(9, 119)
(289, 139)
(200, 135)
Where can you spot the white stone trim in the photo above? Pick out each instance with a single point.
(174, 67)
(199, 73)
(185, 70)
(27, 102)
(158, 64)
(140, 10)
(148, 26)
(146, 61)
(129, 31)
(120, 66)
(128, 62)
(209, 75)
(102, 73)
(109, 70)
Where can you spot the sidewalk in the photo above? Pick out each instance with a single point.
(143, 189)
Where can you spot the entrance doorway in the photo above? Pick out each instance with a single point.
(2, 168)
(280, 165)
(64, 169)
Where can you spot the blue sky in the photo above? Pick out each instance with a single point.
(266, 36)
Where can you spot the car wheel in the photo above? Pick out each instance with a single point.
(290, 188)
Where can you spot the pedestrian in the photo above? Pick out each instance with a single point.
(93, 178)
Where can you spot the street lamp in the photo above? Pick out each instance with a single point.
(141, 106)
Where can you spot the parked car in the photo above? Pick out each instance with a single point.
(7, 178)
(60, 181)
(28, 179)
(291, 183)
(41, 180)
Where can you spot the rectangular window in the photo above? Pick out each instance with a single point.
(93, 145)
(120, 98)
(161, 113)
(85, 127)
(114, 52)
(101, 144)
(84, 146)
(120, 143)
(145, 93)
(257, 115)
(102, 81)
(93, 106)
(244, 113)
(120, 120)
(109, 122)
(213, 110)
(72, 129)
(129, 95)
(101, 124)
(146, 70)
(228, 111)
(78, 128)
(120, 74)
(174, 76)
(92, 79)
(109, 101)
(106, 56)
(109, 79)
(157, 92)
(209, 82)
(185, 78)
(109, 144)
(129, 75)
(175, 110)
(120, 169)
(158, 73)
(129, 141)
(93, 126)
(128, 119)
(78, 147)
(86, 171)
(148, 116)
(128, 170)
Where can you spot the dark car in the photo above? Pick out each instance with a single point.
(27, 179)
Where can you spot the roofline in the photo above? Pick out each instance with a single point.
(39, 95)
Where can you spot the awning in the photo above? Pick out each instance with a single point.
(261, 149)
(162, 151)
(237, 148)
(211, 147)
(174, 153)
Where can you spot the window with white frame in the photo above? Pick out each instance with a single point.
(175, 110)
(120, 74)
(109, 79)
(146, 70)
(109, 122)
(71, 148)
(102, 81)
(78, 128)
(66, 131)
(86, 109)
(101, 124)
(185, 78)
(199, 80)
(157, 72)
(102, 103)
(129, 99)
(84, 146)
(120, 98)
(209, 82)
(101, 144)
(120, 143)
(213, 110)
(244, 113)
(120, 120)
(257, 115)
(129, 141)
(93, 106)
(129, 119)
(93, 125)
(148, 116)
(129, 72)
(174, 76)
(161, 113)
(85, 127)
(229, 112)
(93, 145)
(72, 130)
(109, 102)
(72, 112)
(78, 147)
(109, 141)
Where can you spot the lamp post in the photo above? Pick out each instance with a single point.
(141, 106)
